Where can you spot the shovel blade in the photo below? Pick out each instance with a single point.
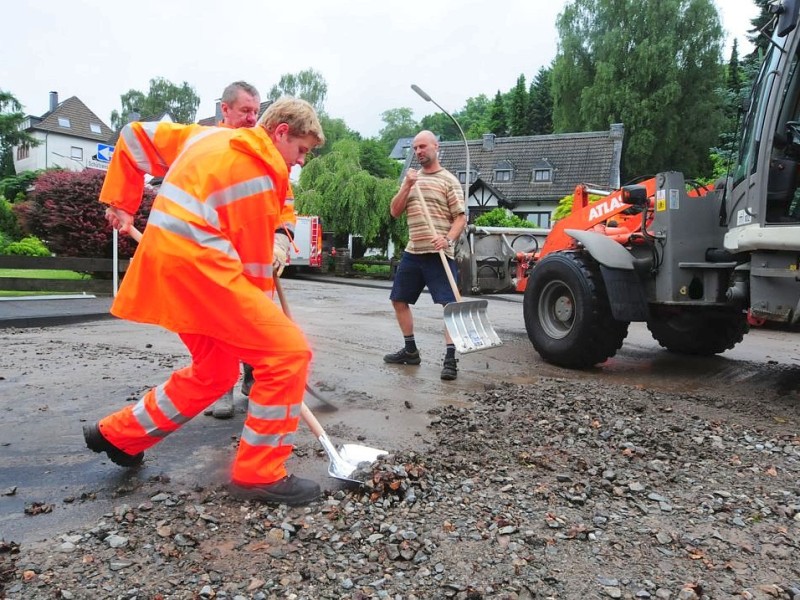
(469, 327)
(344, 463)
(355, 454)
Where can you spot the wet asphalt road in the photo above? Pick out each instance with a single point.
(53, 379)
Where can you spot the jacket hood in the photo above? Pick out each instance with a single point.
(256, 142)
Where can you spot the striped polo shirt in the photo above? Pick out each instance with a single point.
(444, 198)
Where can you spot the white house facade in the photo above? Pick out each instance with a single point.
(70, 136)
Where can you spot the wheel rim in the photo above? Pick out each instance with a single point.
(556, 309)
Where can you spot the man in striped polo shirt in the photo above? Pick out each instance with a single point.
(420, 264)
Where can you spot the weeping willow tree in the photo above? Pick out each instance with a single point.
(348, 199)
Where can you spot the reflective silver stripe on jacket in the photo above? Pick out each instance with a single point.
(137, 150)
(193, 233)
(167, 408)
(189, 203)
(258, 270)
(206, 239)
(238, 191)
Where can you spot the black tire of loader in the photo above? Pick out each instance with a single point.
(697, 331)
(591, 335)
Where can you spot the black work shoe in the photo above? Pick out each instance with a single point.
(291, 490)
(450, 369)
(403, 357)
(247, 381)
(96, 442)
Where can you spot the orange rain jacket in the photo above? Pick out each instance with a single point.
(206, 255)
(288, 219)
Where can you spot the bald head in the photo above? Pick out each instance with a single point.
(426, 149)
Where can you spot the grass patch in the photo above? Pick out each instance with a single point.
(43, 274)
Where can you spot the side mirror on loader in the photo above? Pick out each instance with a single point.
(787, 17)
(634, 194)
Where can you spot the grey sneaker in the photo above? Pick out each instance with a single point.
(450, 369)
(222, 408)
(403, 357)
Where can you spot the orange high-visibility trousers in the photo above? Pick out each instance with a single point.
(280, 367)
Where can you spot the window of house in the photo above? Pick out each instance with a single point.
(95, 128)
(63, 122)
(542, 175)
(462, 175)
(76, 153)
(502, 175)
(23, 152)
(539, 219)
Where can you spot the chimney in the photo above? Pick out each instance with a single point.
(53, 101)
(218, 113)
(134, 115)
(488, 141)
(616, 134)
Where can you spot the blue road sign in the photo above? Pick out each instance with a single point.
(104, 152)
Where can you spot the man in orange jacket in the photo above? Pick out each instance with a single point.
(240, 105)
(201, 270)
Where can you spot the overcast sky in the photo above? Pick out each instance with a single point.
(369, 51)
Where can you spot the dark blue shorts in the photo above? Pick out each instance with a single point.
(415, 271)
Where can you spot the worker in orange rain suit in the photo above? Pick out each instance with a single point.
(201, 270)
(240, 105)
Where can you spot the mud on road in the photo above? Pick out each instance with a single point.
(654, 475)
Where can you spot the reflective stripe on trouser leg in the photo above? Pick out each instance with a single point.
(274, 408)
(186, 393)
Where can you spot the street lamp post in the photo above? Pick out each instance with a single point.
(471, 258)
(427, 98)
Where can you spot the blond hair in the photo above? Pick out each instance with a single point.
(298, 114)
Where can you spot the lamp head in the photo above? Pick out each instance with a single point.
(419, 91)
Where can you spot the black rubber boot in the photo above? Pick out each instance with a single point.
(97, 443)
(291, 490)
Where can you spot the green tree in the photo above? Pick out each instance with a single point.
(335, 130)
(309, 85)
(497, 116)
(11, 117)
(733, 75)
(180, 101)
(376, 162)
(348, 199)
(665, 91)
(474, 117)
(540, 103)
(442, 125)
(518, 121)
(760, 41)
(398, 123)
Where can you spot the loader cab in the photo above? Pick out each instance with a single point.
(764, 190)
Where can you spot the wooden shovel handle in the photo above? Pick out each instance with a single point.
(135, 234)
(442, 255)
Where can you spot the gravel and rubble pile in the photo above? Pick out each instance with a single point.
(554, 490)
